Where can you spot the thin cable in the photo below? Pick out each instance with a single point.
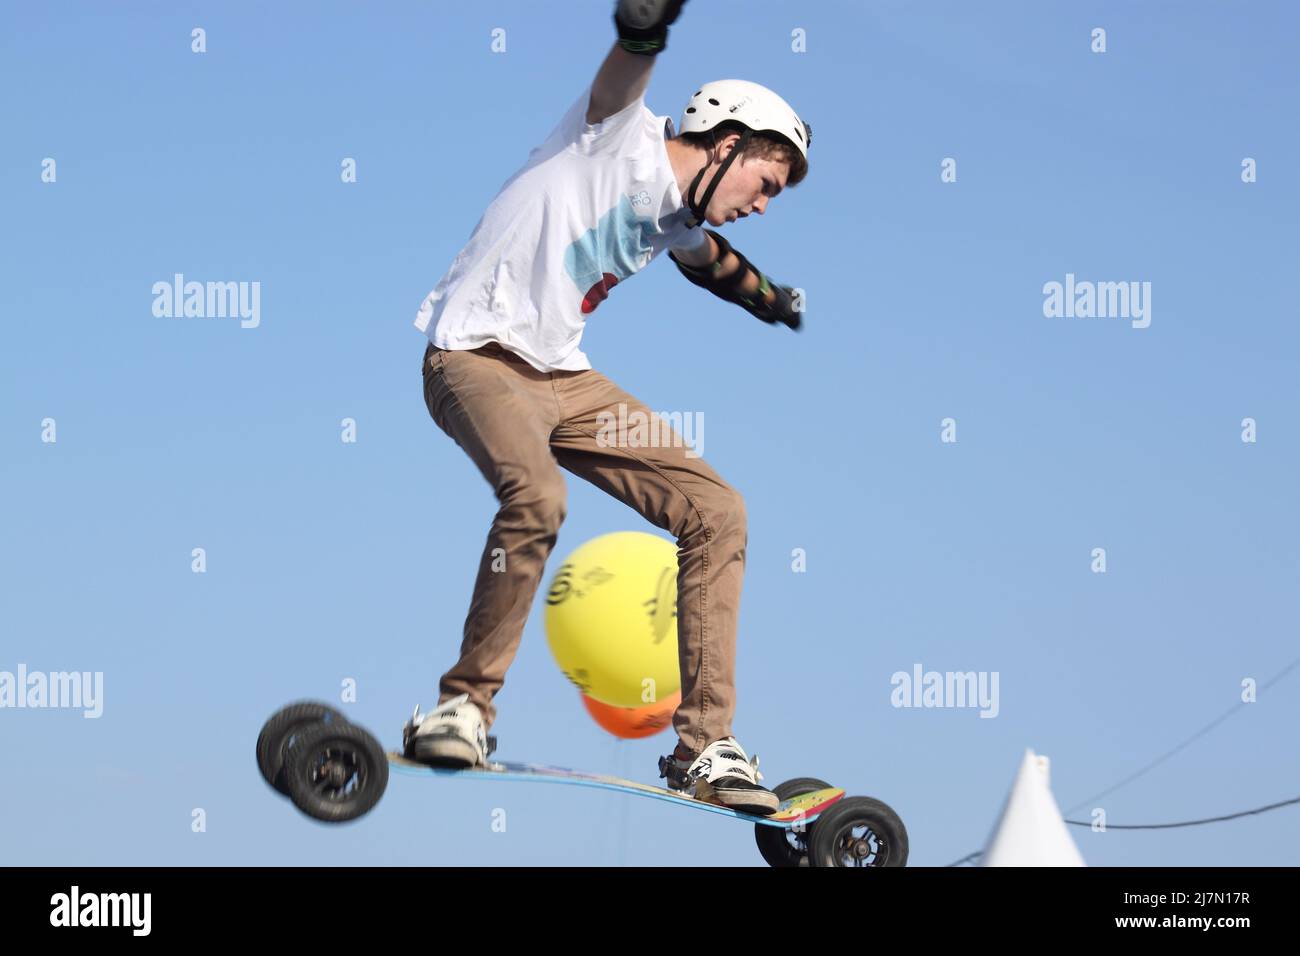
(1161, 759)
(1196, 736)
(1188, 823)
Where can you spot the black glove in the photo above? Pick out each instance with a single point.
(781, 310)
(643, 24)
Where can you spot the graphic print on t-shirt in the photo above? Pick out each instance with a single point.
(616, 248)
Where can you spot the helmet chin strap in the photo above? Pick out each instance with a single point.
(698, 208)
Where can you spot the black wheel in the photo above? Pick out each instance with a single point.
(279, 731)
(858, 831)
(335, 772)
(788, 847)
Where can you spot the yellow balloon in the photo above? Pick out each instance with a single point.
(611, 618)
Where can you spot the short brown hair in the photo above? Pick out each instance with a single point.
(762, 144)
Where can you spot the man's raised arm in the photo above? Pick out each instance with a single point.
(642, 35)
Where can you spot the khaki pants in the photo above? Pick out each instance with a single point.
(517, 425)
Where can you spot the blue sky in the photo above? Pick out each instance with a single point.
(329, 561)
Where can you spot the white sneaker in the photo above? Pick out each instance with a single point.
(722, 774)
(450, 735)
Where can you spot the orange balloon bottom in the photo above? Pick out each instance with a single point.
(631, 723)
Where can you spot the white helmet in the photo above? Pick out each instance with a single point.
(754, 107)
(748, 104)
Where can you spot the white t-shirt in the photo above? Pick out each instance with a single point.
(592, 206)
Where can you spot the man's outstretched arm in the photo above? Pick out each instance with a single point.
(729, 275)
(642, 34)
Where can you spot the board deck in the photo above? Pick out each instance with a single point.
(804, 808)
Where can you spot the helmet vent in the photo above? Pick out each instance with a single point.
(714, 102)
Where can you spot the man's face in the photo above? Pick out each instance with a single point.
(747, 187)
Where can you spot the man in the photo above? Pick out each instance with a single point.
(504, 377)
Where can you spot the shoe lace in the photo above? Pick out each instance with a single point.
(739, 752)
